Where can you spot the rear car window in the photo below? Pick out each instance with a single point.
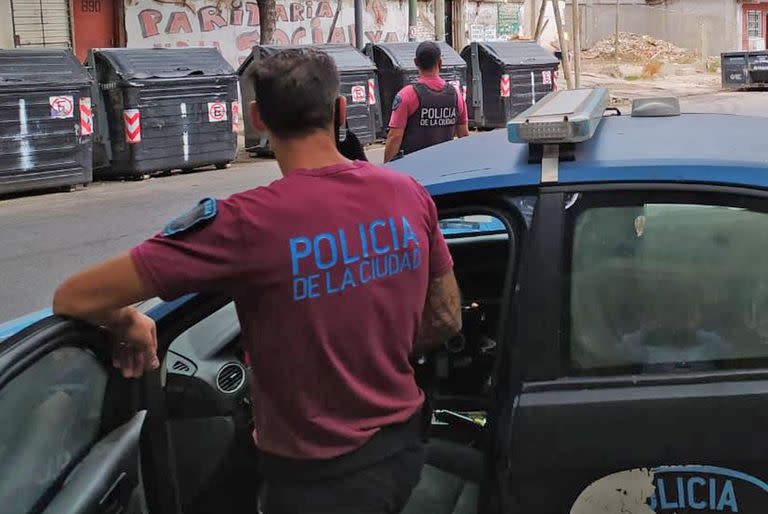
(668, 287)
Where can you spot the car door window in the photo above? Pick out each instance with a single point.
(663, 285)
(51, 418)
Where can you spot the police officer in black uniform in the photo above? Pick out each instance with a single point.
(426, 113)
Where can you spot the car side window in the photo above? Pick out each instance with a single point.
(52, 417)
(665, 286)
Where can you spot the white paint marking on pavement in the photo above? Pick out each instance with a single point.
(533, 90)
(26, 151)
(184, 133)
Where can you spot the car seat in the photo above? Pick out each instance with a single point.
(449, 481)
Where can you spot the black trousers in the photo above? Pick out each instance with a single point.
(383, 488)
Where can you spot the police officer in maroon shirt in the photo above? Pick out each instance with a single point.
(339, 273)
(426, 113)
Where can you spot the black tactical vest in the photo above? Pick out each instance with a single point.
(434, 121)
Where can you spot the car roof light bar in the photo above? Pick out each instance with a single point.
(563, 117)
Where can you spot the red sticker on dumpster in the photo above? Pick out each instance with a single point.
(235, 116)
(505, 86)
(217, 111)
(62, 107)
(132, 119)
(358, 94)
(546, 77)
(371, 92)
(86, 117)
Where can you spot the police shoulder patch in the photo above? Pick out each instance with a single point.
(196, 217)
(396, 102)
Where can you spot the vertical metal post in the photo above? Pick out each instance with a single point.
(439, 20)
(411, 20)
(359, 24)
(616, 35)
(576, 43)
(540, 20)
(563, 44)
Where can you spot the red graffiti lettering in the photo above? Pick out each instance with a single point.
(373, 37)
(211, 19)
(309, 11)
(253, 14)
(379, 11)
(391, 37)
(317, 31)
(149, 19)
(298, 34)
(247, 40)
(281, 38)
(338, 35)
(324, 10)
(182, 44)
(178, 22)
(236, 17)
(297, 12)
(280, 13)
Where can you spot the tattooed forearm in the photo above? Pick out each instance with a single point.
(441, 319)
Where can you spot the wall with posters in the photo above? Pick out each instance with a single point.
(496, 21)
(233, 27)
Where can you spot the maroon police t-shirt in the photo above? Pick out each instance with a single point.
(329, 270)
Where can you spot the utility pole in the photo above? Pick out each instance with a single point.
(563, 44)
(359, 24)
(540, 20)
(576, 43)
(616, 35)
(439, 20)
(411, 20)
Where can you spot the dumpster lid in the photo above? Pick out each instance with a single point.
(519, 53)
(150, 63)
(347, 58)
(402, 54)
(57, 66)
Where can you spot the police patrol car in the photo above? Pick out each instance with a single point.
(614, 355)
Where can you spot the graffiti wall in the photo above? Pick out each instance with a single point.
(234, 27)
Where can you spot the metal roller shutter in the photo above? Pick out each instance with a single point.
(41, 23)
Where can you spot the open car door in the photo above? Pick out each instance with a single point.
(69, 440)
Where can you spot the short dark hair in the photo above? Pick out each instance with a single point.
(427, 55)
(296, 90)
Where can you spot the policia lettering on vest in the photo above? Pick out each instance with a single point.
(437, 117)
(427, 113)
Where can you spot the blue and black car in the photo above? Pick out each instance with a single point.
(614, 355)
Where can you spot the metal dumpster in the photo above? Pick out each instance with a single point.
(358, 84)
(506, 78)
(45, 120)
(395, 69)
(744, 69)
(163, 109)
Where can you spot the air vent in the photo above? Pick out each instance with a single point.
(231, 378)
(181, 366)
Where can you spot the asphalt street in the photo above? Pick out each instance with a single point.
(45, 237)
